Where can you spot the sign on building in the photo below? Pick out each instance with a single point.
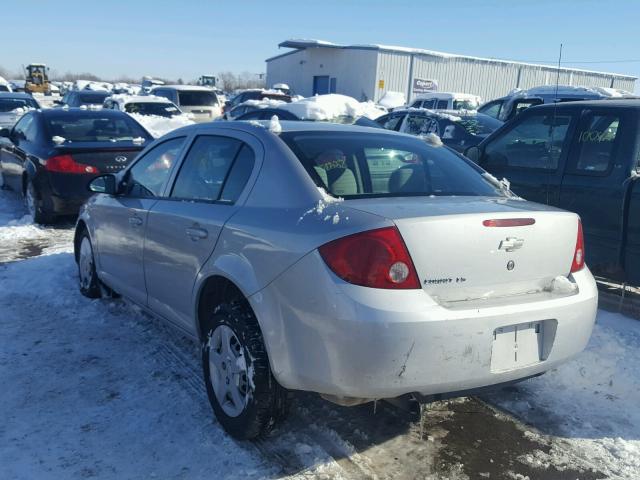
(421, 85)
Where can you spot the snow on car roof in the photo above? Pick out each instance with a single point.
(195, 88)
(123, 99)
(569, 90)
(447, 96)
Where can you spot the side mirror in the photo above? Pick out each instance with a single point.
(5, 132)
(473, 153)
(103, 184)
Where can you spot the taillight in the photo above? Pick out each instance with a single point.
(578, 256)
(376, 259)
(66, 164)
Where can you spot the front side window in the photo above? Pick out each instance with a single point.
(537, 142)
(597, 142)
(205, 168)
(149, 175)
(444, 104)
(492, 109)
(358, 165)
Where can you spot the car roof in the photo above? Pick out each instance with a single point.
(633, 103)
(291, 126)
(96, 93)
(197, 88)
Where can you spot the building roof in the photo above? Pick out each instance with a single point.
(302, 44)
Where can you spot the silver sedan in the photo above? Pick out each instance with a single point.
(357, 263)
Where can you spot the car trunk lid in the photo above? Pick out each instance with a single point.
(106, 157)
(460, 255)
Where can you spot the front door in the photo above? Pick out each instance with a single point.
(321, 84)
(183, 227)
(122, 219)
(532, 154)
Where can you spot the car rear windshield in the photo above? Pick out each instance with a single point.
(92, 99)
(197, 98)
(357, 165)
(81, 127)
(152, 108)
(479, 124)
(9, 104)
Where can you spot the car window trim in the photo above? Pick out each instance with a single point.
(217, 201)
(574, 153)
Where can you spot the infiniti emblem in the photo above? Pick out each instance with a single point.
(510, 265)
(121, 159)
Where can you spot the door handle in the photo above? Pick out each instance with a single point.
(196, 233)
(135, 221)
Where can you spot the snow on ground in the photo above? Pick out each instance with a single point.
(591, 405)
(158, 126)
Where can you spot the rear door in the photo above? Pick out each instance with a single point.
(120, 220)
(600, 160)
(183, 228)
(531, 153)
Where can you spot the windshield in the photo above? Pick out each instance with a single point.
(94, 128)
(152, 108)
(9, 104)
(197, 98)
(360, 165)
(479, 124)
(465, 105)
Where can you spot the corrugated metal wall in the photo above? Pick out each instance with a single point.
(358, 72)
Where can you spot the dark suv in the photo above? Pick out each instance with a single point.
(583, 157)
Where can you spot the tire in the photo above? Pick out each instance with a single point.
(32, 201)
(87, 276)
(244, 395)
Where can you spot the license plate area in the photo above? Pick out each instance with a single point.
(522, 345)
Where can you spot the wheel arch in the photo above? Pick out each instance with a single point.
(213, 291)
(81, 227)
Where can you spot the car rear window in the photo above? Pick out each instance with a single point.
(197, 98)
(356, 165)
(92, 99)
(152, 108)
(9, 104)
(78, 127)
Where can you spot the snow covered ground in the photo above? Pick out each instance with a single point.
(97, 389)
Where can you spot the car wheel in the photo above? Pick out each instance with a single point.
(87, 276)
(244, 395)
(31, 200)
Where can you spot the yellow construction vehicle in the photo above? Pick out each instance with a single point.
(36, 76)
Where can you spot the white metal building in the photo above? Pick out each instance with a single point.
(366, 72)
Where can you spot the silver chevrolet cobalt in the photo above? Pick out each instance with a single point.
(354, 262)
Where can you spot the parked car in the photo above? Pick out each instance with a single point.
(446, 101)
(202, 102)
(13, 106)
(507, 107)
(418, 282)
(251, 106)
(86, 98)
(268, 113)
(50, 155)
(142, 105)
(256, 94)
(583, 157)
(457, 129)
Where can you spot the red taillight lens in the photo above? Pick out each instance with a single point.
(66, 164)
(376, 259)
(578, 256)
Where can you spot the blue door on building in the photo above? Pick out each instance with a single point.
(321, 84)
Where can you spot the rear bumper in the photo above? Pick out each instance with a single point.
(63, 194)
(326, 336)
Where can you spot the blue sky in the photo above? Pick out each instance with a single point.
(187, 38)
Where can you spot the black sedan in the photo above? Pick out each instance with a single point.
(51, 155)
(458, 129)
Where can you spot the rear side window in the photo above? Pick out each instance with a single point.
(149, 175)
(597, 142)
(239, 174)
(537, 142)
(205, 168)
(421, 125)
(354, 165)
